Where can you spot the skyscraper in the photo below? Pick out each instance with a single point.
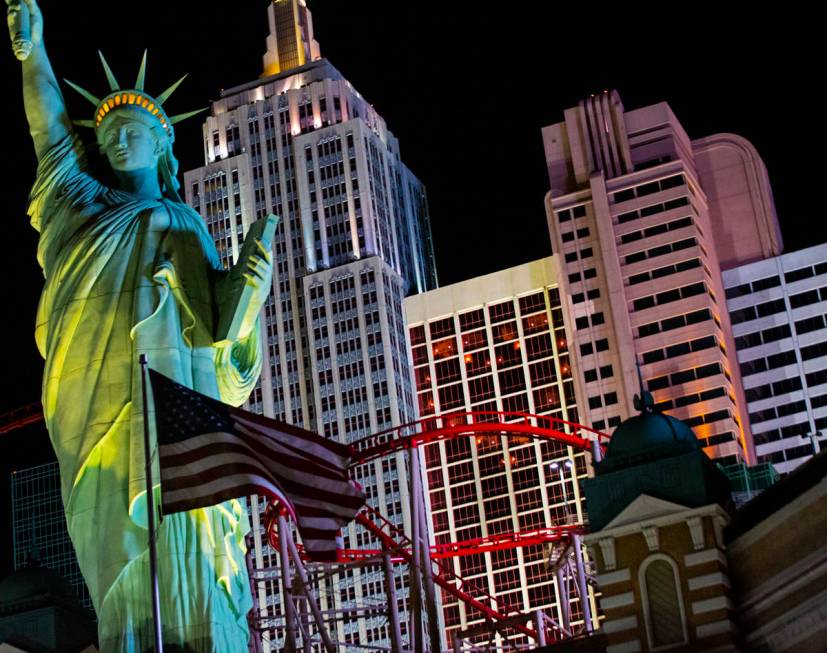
(643, 219)
(497, 343)
(354, 240)
(778, 309)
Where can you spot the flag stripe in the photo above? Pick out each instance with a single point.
(186, 452)
(337, 491)
(278, 443)
(277, 449)
(206, 486)
(191, 499)
(210, 452)
(336, 448)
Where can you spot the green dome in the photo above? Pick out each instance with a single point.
(648, 431)
(646, 436)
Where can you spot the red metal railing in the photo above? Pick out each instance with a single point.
(479, 423)
(20, 417)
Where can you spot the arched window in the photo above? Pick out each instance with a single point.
(662, 602)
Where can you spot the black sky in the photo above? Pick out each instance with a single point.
(466, 89)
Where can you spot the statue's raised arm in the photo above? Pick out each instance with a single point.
(45, 109)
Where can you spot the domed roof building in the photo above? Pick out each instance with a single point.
(680, 569)
(649, 435)
(657, 455)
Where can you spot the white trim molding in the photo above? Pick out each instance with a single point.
(708, 580)
(714, 628)
(708, 605)
(619, 576)
(607, 549)
(619, 625)
(617, 601)
(709, 555)
(696, 530)
(650, 532)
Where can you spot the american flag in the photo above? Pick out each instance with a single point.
(210, 452)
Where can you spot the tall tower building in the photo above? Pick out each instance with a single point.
(290, 43)
(354, 240)
(778, 310)
(643, 219)
(497, 343)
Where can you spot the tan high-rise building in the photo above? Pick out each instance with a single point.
(496, 343)
(643, 219)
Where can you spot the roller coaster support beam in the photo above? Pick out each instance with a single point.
(540, 625)
(563, 596)
(417, 644)
(308, 592)
(487, 612)
(424, 546)
(393, 606)
(582, 585)
(291, 628)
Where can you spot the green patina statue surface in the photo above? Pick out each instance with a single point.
(130, 269)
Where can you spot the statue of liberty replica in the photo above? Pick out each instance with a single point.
(129, 270)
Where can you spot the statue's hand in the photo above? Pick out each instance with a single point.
(259, 272)
(25, 26)
(241, 293)
(257, 276)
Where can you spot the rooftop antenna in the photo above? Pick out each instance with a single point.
(644, 402)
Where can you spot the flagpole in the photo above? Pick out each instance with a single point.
(150, 501)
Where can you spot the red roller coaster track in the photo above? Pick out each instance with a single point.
(462, 425)
(413, 435)
(20, 417)
(480, 423)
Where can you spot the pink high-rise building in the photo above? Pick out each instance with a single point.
(643, 220)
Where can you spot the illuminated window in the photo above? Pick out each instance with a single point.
(542, 372)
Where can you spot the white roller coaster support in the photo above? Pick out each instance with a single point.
(393, 607)
(417, 645)
(582, 585)
(425, 548)
(310, 596)
(291, 627)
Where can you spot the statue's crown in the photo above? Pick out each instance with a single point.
(133, 98)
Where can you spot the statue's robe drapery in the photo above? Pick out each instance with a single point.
(125, 276)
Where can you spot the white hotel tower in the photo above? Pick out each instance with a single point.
(353, 241)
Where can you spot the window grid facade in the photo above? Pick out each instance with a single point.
(639, 272)
(508, 355)
(353, 240)
(778, 309)
(39, 525)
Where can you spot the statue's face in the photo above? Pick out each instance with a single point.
(130, 145)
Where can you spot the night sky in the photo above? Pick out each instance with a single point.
(465, 90)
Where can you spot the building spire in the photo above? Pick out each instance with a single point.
(290, 43)
(644, 402)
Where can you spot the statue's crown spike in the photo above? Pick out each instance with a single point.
(139, 82)
(184, 116)
(95, 101)
(163, 97)
(132, 98)
(113, 83)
